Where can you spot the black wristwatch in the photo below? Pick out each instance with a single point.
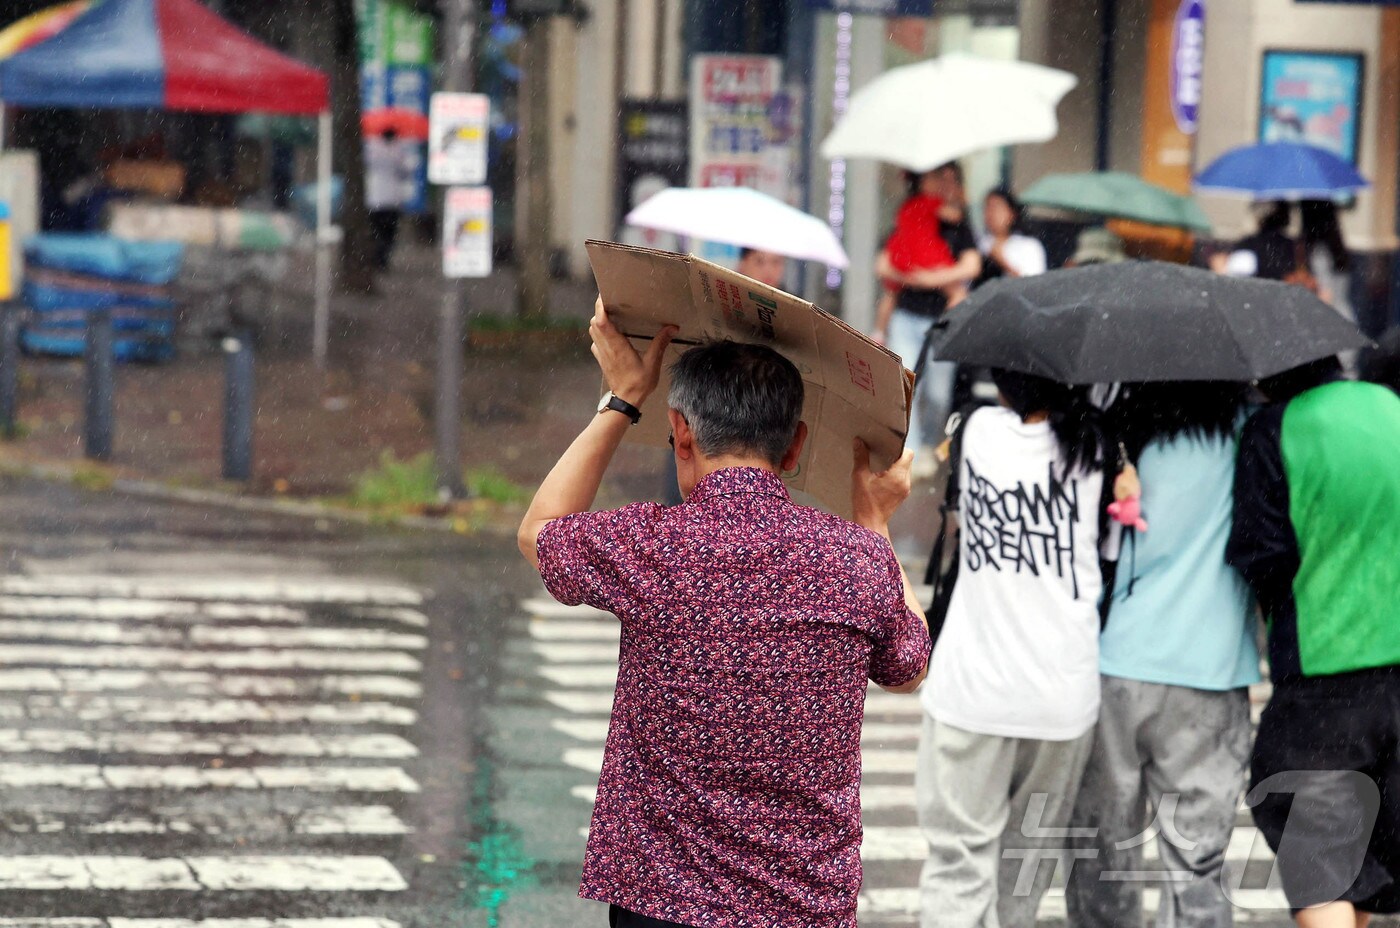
(612, 401)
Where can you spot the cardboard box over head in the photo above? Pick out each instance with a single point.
(854, 387)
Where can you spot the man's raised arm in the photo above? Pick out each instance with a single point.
(573, 483)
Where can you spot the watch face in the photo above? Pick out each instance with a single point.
(603, 403)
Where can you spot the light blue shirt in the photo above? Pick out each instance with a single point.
(1189, 618)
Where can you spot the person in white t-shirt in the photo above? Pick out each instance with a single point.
(1013, 687)
(1006, 251)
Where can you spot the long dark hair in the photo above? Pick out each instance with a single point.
(1148, 412)
(1078, 425)
(1321, 227)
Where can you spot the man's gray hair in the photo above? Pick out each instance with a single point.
(738, 399)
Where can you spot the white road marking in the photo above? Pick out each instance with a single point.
(544, 606)
(391, 614)
(581, 676)
(245, 589)
(563, 630)
(176, 743)
(599, 702)
(571, 653)
(136, 874)
(336, 820)
(595, 730)
(311, 779)
(153, 610)
(219, 636)
(903, 902)
(129, 709)
(353, 922)
(112, 656)
(591, 759)
(200, 683)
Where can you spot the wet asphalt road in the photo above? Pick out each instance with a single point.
(211, 714)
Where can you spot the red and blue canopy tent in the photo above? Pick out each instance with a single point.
(176, 55)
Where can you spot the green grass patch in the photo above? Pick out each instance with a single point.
(411, 485)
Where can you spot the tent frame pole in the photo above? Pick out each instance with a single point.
(321, 325)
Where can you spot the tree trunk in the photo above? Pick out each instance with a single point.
(356, 267)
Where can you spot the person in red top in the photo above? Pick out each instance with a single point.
(730, 789)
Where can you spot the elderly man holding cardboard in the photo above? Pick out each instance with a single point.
(730, 790)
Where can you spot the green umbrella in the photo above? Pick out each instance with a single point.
(1117, 195)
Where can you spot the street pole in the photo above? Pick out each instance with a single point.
(458, 24)
(534, 237)
(101, 388)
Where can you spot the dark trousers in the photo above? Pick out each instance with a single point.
(618, 917)
(384, 228)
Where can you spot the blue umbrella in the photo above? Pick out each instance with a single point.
(1281, 171)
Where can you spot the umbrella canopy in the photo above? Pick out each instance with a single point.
(1143, 321)
(160, 54)
(406, 124)
(926, 114)
(37, 27)
(1116, 195)
(743, 217)
(1281, 171)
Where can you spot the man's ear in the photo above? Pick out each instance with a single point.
(683, 437)
(794, 452)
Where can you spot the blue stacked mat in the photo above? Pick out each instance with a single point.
(67, 276)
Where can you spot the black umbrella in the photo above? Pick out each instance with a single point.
(1142, 321)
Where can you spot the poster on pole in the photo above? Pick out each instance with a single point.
(740, 134)
(457, 134)
(466, 232)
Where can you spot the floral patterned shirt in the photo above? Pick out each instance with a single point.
(730, 790)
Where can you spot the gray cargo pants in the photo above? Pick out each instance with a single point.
(1171, 759)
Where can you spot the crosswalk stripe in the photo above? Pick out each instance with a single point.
(562, 630)
(351, 922)
(398, 614)
(546, 607)
(368, 821)
(154, 610)
(201, 683)
(62, 741)
(599, 702)
(903, 902)
(108, 777)
(262, 659)
(218, 636)
(130, 709)
(135, 874)
(591, 759)
(575, 652)
(595, 730)
(250, 589)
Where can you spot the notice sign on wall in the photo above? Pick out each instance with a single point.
(457, 134)
(466, 232)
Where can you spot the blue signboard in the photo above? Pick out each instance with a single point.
(1188, 63)
(875, 7)
(1312, 97)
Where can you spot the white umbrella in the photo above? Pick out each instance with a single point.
(926, 114)
(743, 217)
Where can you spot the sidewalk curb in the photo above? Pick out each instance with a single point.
(305, 510)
